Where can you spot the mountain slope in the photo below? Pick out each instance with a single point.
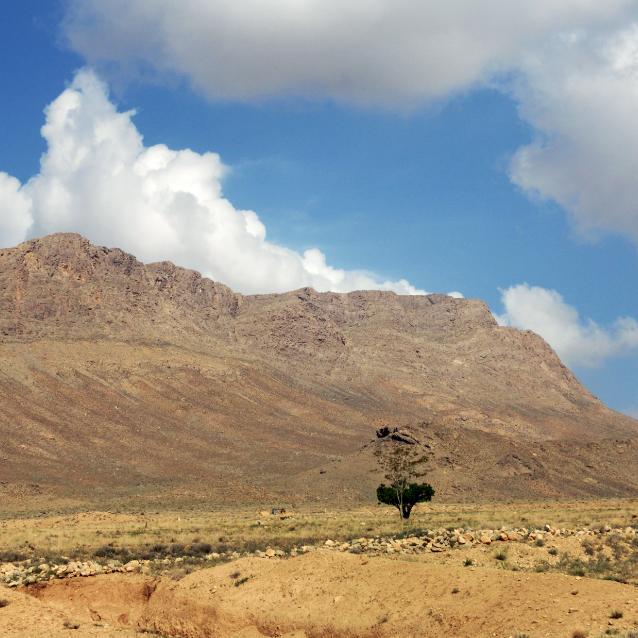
(120, 377)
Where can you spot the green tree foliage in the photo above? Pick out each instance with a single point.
(405, 500)
(403, 464)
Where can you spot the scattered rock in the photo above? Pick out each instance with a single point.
(29, 572)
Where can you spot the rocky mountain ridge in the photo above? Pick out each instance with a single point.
(121, 375)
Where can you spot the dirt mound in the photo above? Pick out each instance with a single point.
(335, 595)
(23, 616)
(122, 378)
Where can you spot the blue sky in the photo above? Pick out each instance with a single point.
(389, 182)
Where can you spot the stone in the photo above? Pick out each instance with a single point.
(133, 565)
(7, 568)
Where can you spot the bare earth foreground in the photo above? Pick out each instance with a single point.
(577, 572)
(323, 594)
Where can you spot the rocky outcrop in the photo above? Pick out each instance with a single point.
(386, 433)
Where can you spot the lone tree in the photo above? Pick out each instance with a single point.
(403, 464)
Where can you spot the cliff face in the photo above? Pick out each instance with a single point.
(116, 374)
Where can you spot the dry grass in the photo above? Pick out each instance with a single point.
(246, 528)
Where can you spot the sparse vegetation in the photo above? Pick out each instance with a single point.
(11, 556)
(168, 534)
(183, 539)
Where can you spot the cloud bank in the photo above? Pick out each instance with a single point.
(97, 178)
(581, 96)
(359, 51)
(578, 342)
(572, 66)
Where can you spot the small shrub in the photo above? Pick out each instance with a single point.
(456, 590)
(158, 548)
(579, 633)
(3, 602)
(198, 549)
(552, 551)
(235, 575)
(12, 557)
(539, 542)
(616, 614)
(241, 581)
(502, 556)
(106, 551)
(468, 562)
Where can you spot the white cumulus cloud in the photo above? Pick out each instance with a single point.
(572, 66)
(581, 96)
(98, 178)
(577, 341)
(15, 210)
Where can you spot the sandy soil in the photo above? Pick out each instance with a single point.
(23, 616)
(325, 594)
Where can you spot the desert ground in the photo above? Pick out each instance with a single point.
(493, 569)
